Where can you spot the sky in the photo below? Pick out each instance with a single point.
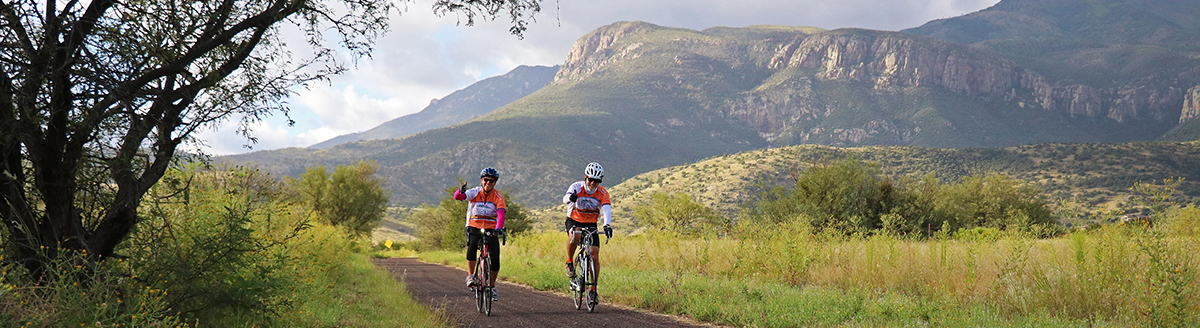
(425, 57)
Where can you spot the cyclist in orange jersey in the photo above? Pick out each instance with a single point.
(485, 210)
(588, 203)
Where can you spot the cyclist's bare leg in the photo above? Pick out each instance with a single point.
(493, 278)
(595, 263)
(572, 243)
(471, 267)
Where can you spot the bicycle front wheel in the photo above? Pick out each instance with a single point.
(487, 301)
(485, 267)
(590, 279)
(577, 284)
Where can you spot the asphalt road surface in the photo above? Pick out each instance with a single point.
(439, 286)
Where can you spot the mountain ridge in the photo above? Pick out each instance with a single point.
(477, 99)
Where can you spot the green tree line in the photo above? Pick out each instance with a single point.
(852, 197)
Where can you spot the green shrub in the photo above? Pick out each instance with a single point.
(994, 201)
(679, 213)
(854, 198)
(229, 247)
(108, 296)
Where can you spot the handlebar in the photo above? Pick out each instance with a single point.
(590, 230)
(493, 232)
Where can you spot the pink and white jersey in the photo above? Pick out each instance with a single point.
(482, 207)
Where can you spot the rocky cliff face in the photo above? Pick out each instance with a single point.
(898, 60)
(1191, 104)
(594, 51)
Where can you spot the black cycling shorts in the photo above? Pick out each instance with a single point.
(473, 238)
(571, 224)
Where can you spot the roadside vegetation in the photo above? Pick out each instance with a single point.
(847, 245)
(230, 247)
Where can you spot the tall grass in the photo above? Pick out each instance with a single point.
(784, 276)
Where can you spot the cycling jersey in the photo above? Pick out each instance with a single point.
(483, 208)
(587, 208)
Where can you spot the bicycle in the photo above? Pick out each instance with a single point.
(585, 267)
(483, 273)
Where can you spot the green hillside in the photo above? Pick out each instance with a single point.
(1092, 175)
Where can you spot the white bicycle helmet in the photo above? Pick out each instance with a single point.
(594, 171)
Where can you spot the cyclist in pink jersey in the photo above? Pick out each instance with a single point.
(588, 203)
(485, 210)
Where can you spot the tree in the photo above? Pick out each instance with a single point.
(354, 198)
(441, 226)
(97, 96)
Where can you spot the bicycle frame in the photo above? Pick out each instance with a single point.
(483, 272)
(585, 269)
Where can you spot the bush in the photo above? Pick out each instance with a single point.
(108, 296)
(230, 246)
(853, 198)
(994, 201)
(679, 213)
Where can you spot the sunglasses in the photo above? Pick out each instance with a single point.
(489, 180)
(593, 180)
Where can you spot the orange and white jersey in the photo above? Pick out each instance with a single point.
(482, 207)
(586, 208)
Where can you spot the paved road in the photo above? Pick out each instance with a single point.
(439, 286)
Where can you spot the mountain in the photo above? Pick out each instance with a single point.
(1153, 22)
(1119, 55)
(477, 99)
(638, 97)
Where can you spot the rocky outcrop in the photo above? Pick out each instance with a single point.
(1191, 104)
(594, 51)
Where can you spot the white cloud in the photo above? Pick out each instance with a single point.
(225, 140)
(425, 57)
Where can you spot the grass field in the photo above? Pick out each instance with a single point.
(1118, 276)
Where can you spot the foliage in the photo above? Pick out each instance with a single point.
(98, 97)
(1155, 197)
(516, 218)
(679, 213)
(225, 245)
(98, 101)
(223, 249)
(109, 298)
(994, 201)
(851, 197)
(352, 197)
